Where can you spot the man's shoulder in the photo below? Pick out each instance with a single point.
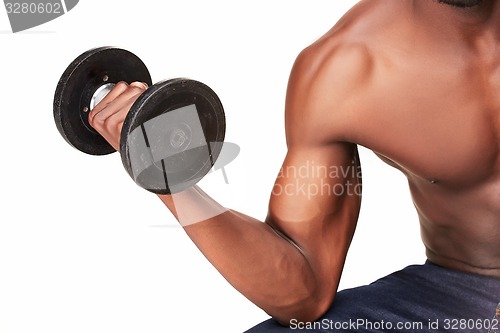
(326, 84)
(361, 37)
(335, 78)
(347, 54)
(336, 58)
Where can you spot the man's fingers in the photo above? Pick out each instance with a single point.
(117, 90)
(108, 116)
(109, 120)
(141, 85)
(114, 104)
(116, 121)
(111, 127)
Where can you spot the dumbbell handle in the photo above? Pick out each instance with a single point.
(99, 94)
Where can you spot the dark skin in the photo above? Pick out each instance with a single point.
(418, 83)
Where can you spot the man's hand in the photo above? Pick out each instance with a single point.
(108, 115)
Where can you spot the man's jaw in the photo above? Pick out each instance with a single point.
(462, 3)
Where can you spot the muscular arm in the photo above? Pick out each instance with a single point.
(289, 266)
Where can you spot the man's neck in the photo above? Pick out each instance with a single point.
(478, 26)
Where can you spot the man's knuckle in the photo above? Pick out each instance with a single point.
(122, 85)
(136, 90)
(110, 126)
(100, 119)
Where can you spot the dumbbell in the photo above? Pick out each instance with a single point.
(171, 136)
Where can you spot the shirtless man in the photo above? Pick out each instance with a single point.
(417, 82)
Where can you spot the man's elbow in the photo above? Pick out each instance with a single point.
(304, 311)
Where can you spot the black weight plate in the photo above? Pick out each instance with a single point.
(172, 135)
(78, 84)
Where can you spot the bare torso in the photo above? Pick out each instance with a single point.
(432, 111)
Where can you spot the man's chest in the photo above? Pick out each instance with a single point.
(440, 128)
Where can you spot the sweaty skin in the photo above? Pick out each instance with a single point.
(417, 82)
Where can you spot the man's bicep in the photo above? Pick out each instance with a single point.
(316, 198)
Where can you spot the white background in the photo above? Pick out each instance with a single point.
(82, 248)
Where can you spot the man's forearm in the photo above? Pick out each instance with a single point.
(265, 267)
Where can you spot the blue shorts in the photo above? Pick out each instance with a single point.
(419, 298)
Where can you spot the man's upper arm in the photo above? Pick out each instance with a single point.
(316, 198)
